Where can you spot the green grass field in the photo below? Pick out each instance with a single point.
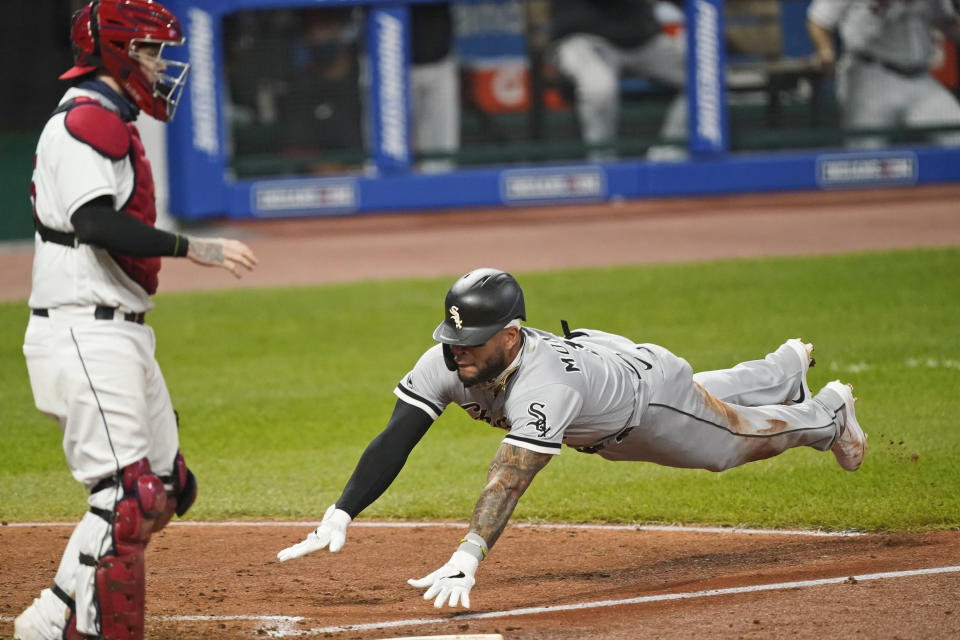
(279, 391)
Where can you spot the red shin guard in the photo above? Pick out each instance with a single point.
(121, 576)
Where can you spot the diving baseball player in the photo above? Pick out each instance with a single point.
(882, 76)
(89, 352)
(594, 392)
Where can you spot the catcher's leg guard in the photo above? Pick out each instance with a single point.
(70, 631)
(120, 576)
(180, 495)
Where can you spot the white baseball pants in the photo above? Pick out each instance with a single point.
(874, 97)
(100, 380)
(435, 110)
(595, 66)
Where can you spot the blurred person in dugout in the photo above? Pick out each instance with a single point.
(883, 77)
(322, 101)
(434, 85)
(594, 42)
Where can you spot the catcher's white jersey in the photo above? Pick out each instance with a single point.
(895, 31)
(558, 391)
(69, 173)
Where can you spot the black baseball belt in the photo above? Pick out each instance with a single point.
(907, 72)
(101, 312)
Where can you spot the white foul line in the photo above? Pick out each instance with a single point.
(276, 633)
(521, 525)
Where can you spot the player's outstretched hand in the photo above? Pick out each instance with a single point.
(332, 531)
(451, 582)
(232, 255)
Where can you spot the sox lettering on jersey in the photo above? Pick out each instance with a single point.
(479, 413)
(540, 418)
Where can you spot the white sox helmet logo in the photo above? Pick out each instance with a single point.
(455, 316)
(477, 306)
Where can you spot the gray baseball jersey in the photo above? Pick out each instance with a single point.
(895, 31)
(602, 393)
(882, 78)
(556, 391)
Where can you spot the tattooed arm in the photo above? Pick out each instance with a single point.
(511, 472)
(221, 252)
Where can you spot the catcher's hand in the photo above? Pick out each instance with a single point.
(451, 582)
(232, 255)
(332, 531)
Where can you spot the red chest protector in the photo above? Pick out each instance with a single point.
(106, 132)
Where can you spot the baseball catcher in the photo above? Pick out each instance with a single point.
(596, 393)
(89, 351)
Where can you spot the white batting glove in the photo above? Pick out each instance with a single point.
(451, 582)
(332, 531)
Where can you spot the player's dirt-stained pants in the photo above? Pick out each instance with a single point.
(100, 380)
(717, 420)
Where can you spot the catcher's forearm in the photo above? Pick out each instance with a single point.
(511, 472)
(822, 39)
(383, 458)
(98, 224)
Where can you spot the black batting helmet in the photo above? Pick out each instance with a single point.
(478, 305)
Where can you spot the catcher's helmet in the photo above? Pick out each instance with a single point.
(478, 305)
(85, 59)
(107, 34)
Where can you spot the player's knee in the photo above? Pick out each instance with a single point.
(181, 493)
(717, 467)
(185, 485)
(144, 502)
(722, 463)
(600, 89)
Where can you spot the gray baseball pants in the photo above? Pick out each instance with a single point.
(721, 419)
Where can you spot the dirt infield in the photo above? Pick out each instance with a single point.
(223, 581)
